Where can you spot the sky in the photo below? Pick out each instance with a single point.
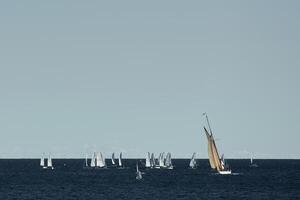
(136, 76)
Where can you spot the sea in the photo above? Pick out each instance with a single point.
(22, 179)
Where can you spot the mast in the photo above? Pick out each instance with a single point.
(86, 160)
(207, 122)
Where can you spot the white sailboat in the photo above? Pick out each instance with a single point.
(193, 163)
(138, 172)
(100, 161)
(49, 162)
(93, 160)
(113, 159)
(148, 161)
(152, 161)
(214, 159)
(168, 161)
(252, 164)
(161, 160)
(42, 161)
(120, 160)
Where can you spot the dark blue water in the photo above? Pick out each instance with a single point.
(273, 179)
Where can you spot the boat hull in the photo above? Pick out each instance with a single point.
(226, 172)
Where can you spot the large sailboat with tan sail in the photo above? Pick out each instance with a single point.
(215, 161)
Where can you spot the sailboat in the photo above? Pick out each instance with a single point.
(100, 160)
(252, 164)
(168, 161)
(215, 161)
(162, 160)
(113, 159)
(93, 160)
(120, 161)
(193, 163)
(138, 172)
(152, 161)
(148, 161)
(49, 163)
(42, 162)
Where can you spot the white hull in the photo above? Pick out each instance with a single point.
(225, 172)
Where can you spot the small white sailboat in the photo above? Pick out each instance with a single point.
(148, 161)
(49, 162)
(168, 161)
(120, 161)
(42, 161)
(113, 159)
(193, 163)
(152, 161)
(162, 160)
(100, 161)
(138, 172)
(215, 161)
(252, 164)
(93, 160)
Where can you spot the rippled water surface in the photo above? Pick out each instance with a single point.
(273, 179)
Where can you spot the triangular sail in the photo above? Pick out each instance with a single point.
(193, 161)
(148, 164)
(152, 163)
(210, 151)
(98, 160)
(120, 160)
(42, 161)
(113, 159)
(93, 163)
(101, 160)
(49, 163)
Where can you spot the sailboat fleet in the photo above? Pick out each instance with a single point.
(48, 164)
(163, 161)
(98, 161)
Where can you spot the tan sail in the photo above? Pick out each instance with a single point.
(216, 155)
(213, 154)
(210, 153)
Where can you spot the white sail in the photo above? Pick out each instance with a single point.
(120, 160)
(152, 163)
(100, 162)
(168, 161)
(42, 161)
(148, 163)
(49, 163)
(113, 159)
(161, 160)
(98, 159)
(93, 160)
(138, 173)
(193, 161)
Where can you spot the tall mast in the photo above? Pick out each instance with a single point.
(208, 122)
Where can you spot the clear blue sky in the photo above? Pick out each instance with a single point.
(136, 76)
